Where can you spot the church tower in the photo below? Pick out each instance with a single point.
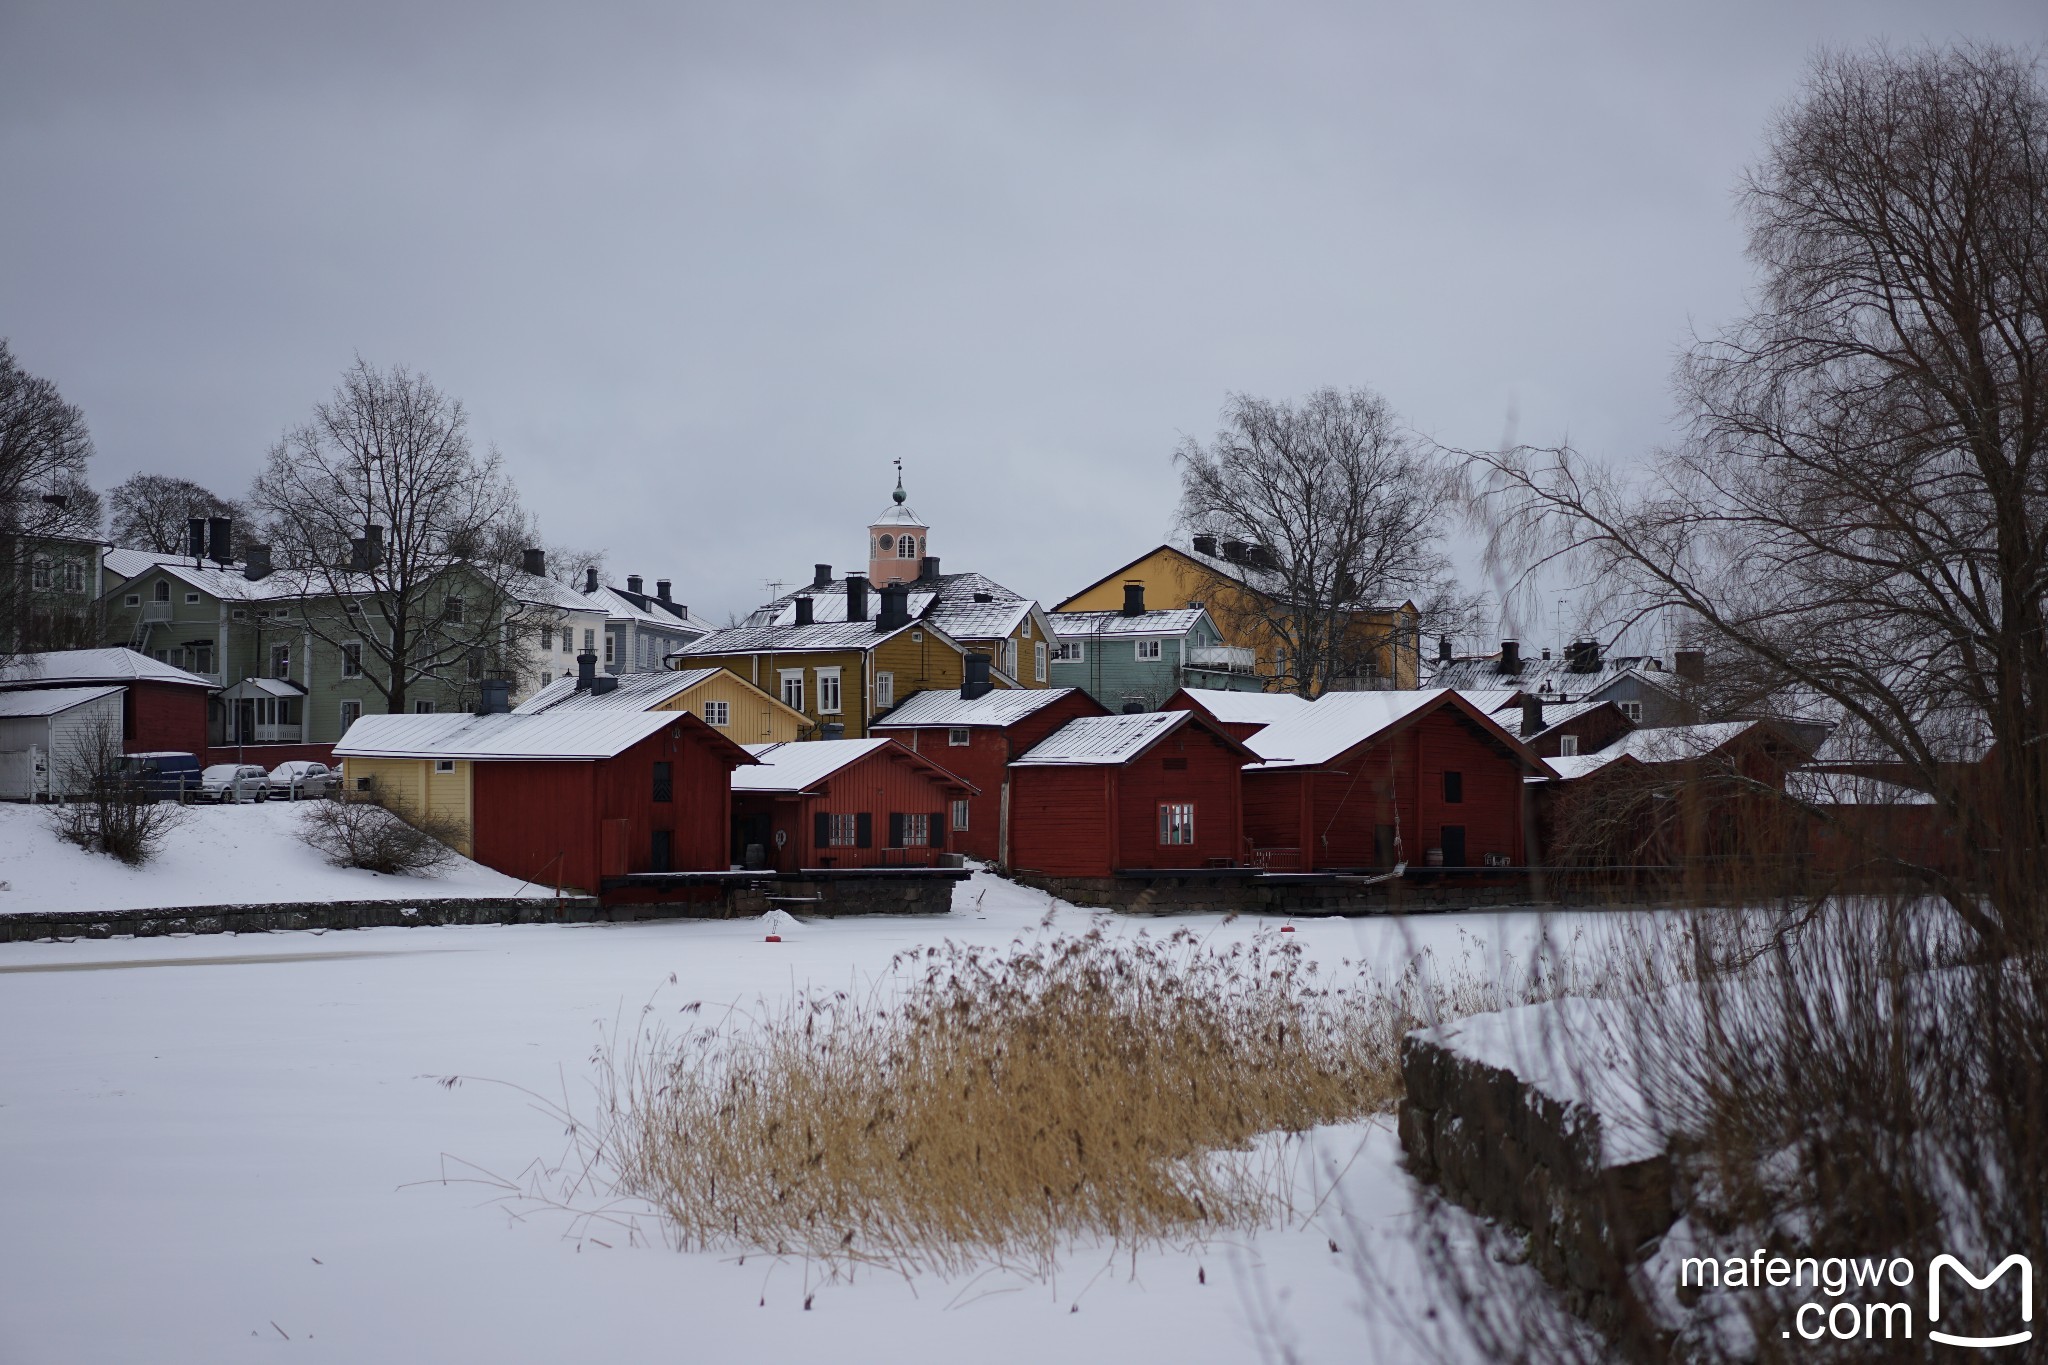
(896, 541)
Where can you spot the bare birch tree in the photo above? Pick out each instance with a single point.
(1858, 508)
(381, 503)
(1339, 514)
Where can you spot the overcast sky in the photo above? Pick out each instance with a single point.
(701, 272)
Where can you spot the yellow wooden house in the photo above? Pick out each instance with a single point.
(722, 699)
(1229, 588)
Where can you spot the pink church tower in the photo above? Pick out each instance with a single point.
(897, 541)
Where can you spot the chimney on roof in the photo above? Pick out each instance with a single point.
(358, 555)
(984, 597)
(590, 579)
(856, 596)
(603, 683)
(373, 545)
(1443, 649)
(634, 583)
(258, 563)
(1134, 708)
(586, 671)
(219, 537)
(1134, 599)
(534, 562)
(1205, 545)
(806, 610)
(832, 729)
(821, 575)
(494, 698)
(975, 683)
(195, 537)
(928, 569)
(1583, 656)
(1233, 550)
(661, 591)
(1532, 716)
(1690, 664)
(1510, 658)
(895, 612)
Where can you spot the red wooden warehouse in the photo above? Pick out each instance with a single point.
(1105, 794)
(978, 737)
(162, 707)
(1361, 780)
(570, 800)
(1237, 714)
(842, 803)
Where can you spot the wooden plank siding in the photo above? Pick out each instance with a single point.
(917, 659)
(985, 761)
(411, 784)
(888, 782)
(164, 716)
(755, 717)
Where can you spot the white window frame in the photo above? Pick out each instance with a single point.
(961, 807)
(191, 599)
(589, 641)
(1070, 652)
(792, 686)
(74, 579)
(443, 765)
(611, 646)
(281, 661)
(1633, 710)
(1567, 746)
(133, 599)
(885, 691)
(959, 736)
(718, 713)
(842, 831)
(906, 547)
(352, 660)
(350, 712)
(830, 700)
(1009, 664)
(1038, 661)
(1149, 651)
(917, 830)
(423, 708)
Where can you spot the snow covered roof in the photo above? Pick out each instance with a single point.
(898, 515)
(971, 620)
(618, 605)
(1821, 788)
(813, 639)
(541, 591)
(1094, 740)
(263, 687)
(948, 602)
(49, 701)
(991, 709)
(1246, 708)
(457, 734)
(635, 692)
(1575, 766)
(829, 606)
(1339, 721)
(1551, 679)
(1088, 624)
(795, 766)
(1491, 699)
(1680, 743)
(93, 665)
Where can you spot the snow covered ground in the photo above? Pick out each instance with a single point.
(210, 1145)
(221, 855)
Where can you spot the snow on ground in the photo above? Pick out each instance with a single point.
(221, 855)
(209, 1145)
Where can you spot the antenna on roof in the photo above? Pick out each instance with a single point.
(775, 586)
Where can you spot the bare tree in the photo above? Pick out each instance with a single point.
(1858, 508)
(109, 809)
(150, 512)
(381, 503)
(44, 494)
(1331, 515)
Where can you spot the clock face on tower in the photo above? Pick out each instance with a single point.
(887, 541)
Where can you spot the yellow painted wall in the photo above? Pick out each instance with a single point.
(757, 717)
(412, 784)
(920, 658)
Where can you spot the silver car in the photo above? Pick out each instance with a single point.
(301, 777)
(236, 782)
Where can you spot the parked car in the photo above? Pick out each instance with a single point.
(302, 777)
(166, 775)
(236, 782)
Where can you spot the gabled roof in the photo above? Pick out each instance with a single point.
(1820, 787)
(1551, 679)
(997, 709)
(576, 735)
(635, 692)
(947, 602)
(1576, 766)
(979, 620)
(1265, 582)
(1084, 625)
(93, 666)
(49, 701)
(1093, 740)
(798, 766)
(1337, 722)
(619, 605)
(813, 639)
(1244, 708)
(229, 584)
(1682, 743)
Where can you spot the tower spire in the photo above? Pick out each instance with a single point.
(900, 495)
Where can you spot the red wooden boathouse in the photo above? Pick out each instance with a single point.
(842, 803)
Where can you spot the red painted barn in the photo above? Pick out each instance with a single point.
(978, 738)
(562, 800)
(1237, 714)
(1103, 794)
(842, 803)
(1379, 779)
(162, 708)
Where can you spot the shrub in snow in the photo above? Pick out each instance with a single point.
(116, 815)
(358, 832)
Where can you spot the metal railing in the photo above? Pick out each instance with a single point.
(1226, 658)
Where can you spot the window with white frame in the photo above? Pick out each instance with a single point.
(1027, 626)
(451, 610)
(885, 691)
(1038, 659)
(844, 831)
(590, 642)
(1069, 651)
(444, 765)
(423, 708)
(958, 737)
(351, 712)
(828, 692)
(1177, 822)
(611, 646)
(546, 677)
(906, 547)
(1010, 657)
(161, 593)
(352, 661)
(191, 599)
(41, 574)
(547, 637)
(718, 713)
(793, 688)
(133, 599)
(917, 830)
(1567, 746)
(74, 579)
(1149, 649)
(1633, 710)
(960, 815)
(280, 661)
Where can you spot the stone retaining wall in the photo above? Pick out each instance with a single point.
(1509, 1151)
(256, 919)
(1283, 895)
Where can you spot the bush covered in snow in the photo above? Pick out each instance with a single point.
(358, 832)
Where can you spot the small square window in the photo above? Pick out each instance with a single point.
(917, 635)
(1567, 746)
(191, 599)
(718, 713)
(957, 736)
(134, 599)
(1633, 710)
(444, 765)
(1149, 649)
(423, 708)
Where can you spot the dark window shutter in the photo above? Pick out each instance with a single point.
(823, 830)
(864, 830)
(895, 829)
(939, 830)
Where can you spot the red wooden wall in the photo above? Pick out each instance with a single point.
(536, 820)
(169, 716)
(1090, 821)
(985, 760)
(1059, 821)
(885, 782)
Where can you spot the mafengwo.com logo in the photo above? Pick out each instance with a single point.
(1858, 1318)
